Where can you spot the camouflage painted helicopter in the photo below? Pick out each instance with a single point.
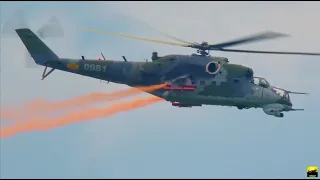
(191, 80)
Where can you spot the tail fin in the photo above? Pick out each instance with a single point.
(39, 51)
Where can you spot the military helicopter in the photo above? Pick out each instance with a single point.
(190, 80)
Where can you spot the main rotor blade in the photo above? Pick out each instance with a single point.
(269, 52)
(249, 39)
(133, 37)
(162, 33)
(175, 38)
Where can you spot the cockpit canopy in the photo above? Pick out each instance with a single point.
(281, 93)
(260, 82)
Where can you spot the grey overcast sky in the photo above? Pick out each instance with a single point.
(161, 141)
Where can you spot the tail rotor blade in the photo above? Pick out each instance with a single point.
(16, 21)
(52, 29)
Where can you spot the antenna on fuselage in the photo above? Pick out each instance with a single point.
(103, 56)
(107, 82)
(124, 58)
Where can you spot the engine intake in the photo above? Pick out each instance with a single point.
(213, 68)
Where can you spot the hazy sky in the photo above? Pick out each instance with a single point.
(200, 142)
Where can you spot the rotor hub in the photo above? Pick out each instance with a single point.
(204, 43)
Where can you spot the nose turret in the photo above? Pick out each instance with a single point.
(285, 101)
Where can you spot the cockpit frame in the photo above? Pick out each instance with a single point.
(260, 81)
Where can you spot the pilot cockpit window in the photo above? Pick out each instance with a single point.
(260, 82)
(256, 81)
(264, 83)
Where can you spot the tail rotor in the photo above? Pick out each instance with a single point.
(51, 29)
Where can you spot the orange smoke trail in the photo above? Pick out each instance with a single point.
(81, 101)
(92, 113)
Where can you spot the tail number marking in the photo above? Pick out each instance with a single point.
(95, 67)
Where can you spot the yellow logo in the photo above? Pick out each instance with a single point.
(73, 66)
(312, 171)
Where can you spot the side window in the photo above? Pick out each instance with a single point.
(256, 81)
(202, 83)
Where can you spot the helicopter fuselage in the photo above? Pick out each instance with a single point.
(210, 80)
(223, 84)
